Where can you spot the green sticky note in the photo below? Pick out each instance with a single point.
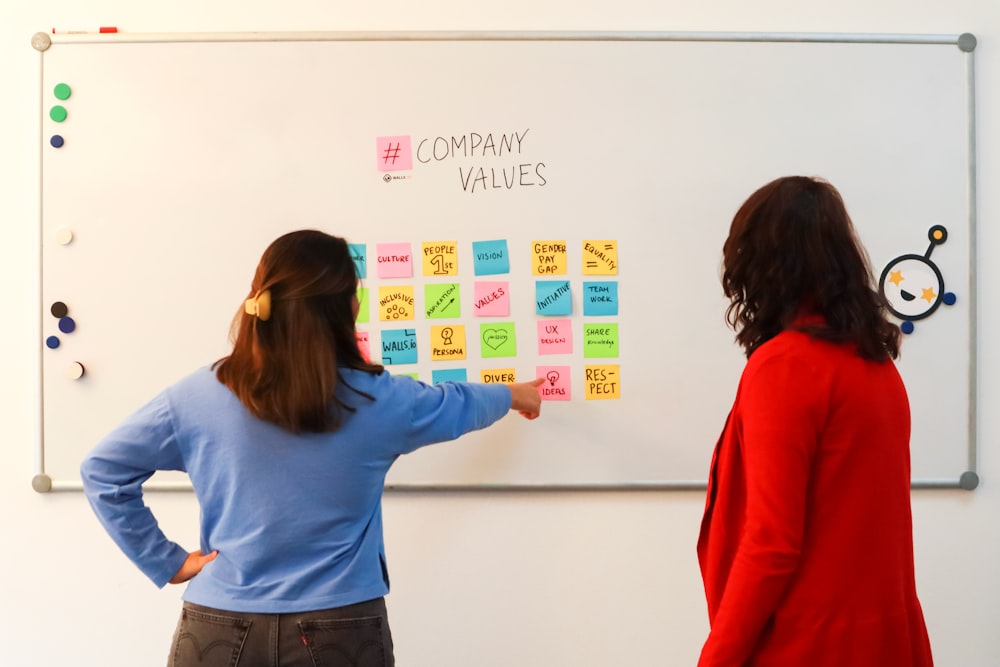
(600, 341)
(62, 91)
(497, 340)
(442, 300)
(363, 304)
(58, 113)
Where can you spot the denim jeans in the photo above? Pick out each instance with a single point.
(353, 636)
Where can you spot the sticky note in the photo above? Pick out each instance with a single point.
(394, 153)
(491, 299)
(555, 337)
(498, 375)
(557, 386)
(447, 342)
(449, 375)
(399, 346)
(440, 258)
(490, 258)
(553, 297)
(359, 254)
(548, 258)
(364, 344)
(600, 298)
(442, 300)
(600, 340)
(601, 382)
(395, 302)
(395, 260)
(600, 258)
(364, 304)
(497, 340)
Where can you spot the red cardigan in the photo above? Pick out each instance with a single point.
(806, 546)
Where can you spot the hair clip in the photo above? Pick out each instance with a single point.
(259, 306)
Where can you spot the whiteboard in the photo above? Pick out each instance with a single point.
(183, 156)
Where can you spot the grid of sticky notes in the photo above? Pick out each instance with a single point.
(471, 320)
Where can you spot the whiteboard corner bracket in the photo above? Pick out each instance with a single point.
(967, 42)
(41, 41)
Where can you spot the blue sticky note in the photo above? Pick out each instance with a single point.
(399, 346)
(490, 258)
(553, 297)
(359, 253)
(600, 298)
(449, 375)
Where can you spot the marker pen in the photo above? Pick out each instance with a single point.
(102, 30)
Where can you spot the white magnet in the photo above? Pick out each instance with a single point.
(64, 236)
(74, 371)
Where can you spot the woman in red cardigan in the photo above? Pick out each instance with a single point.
(806, 546)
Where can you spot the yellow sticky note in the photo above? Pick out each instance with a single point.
(600, 258)
(440, 258)
(447, 342)
(501, 375)
(601, 382)
(395, 303)
(548, 258)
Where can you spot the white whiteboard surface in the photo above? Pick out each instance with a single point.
(184, 157)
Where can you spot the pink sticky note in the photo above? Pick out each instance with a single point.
(394, 153)
(364, 345)
(395, 260)
(557, 385)
(491, 299)
(555, 337)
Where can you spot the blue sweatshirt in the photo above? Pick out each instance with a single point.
(297, 519)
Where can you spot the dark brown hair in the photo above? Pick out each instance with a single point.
(792, 250)
(285, 369)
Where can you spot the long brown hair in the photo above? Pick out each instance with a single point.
(792, 250)
(284, 367)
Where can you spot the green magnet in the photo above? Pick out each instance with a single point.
(62, 91)
(58, 113)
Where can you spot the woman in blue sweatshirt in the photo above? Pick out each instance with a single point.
(286, 442)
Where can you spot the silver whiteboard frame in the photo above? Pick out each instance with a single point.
(966, 42)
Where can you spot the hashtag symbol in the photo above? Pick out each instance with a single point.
(391, 153)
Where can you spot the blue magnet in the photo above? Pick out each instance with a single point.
(66, 324)
(56, 141)
(52, 342)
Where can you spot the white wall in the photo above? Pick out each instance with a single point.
(478, 580)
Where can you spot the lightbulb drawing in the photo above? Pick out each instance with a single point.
(552, 377)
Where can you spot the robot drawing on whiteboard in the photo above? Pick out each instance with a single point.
(912, 284)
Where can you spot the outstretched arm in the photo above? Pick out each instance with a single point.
(526, 399)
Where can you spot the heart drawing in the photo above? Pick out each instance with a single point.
(494, 338)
